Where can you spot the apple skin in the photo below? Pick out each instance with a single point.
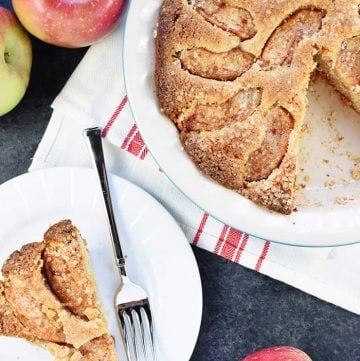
(278, 353)
(69, 23)
(15, 61)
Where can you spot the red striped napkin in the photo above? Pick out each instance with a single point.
(95, 94)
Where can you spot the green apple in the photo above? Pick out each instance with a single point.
(15, 61)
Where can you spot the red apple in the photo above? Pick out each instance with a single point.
(69, 23)
(15, 61)
(278, 353)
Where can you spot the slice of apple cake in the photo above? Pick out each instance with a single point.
(48, 296)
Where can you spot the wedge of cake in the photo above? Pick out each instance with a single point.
(233, 76)
(48, 296)
(339, 44)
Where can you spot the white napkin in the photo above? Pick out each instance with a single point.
(95, 95)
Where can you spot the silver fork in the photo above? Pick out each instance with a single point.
(131, 301)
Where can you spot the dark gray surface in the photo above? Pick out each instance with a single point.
(243, 311)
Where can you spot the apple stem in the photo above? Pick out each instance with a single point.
(7, 56)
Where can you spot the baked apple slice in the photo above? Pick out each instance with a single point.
(281, 46)
(234, 20)
(219, 66)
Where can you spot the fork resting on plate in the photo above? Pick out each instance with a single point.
(131, 301)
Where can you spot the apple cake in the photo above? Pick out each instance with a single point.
(48, 297)
(233, 76)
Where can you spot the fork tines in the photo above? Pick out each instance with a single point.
(136, 323)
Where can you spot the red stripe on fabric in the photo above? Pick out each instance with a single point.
(263, 256)
(200, 229)
(111, 121)
(144, 153)
(231, 244)
(136, 144)
(128, 137)
(242, 247)
(221, 240)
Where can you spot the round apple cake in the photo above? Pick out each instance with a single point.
(233, 76)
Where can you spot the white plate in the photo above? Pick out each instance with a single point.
(159, 256)
(329, 207)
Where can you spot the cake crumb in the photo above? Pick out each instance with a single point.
(331, 118)
(355, 158)
(342, 201)
(330, 184)
(306, 128)
(355, 173)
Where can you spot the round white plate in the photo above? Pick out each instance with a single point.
(159, 257)
(328, 208)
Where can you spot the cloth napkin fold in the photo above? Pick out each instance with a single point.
(95, 95)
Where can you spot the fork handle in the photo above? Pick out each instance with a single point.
(94, 143)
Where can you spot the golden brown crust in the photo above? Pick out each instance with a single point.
(101, 348)
(222, 153)
(31, 303)
(67, 269)
(29, 295)
(180, 28)
(10, 324)
(198, 78)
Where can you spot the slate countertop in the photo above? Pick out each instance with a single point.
(243, 310)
